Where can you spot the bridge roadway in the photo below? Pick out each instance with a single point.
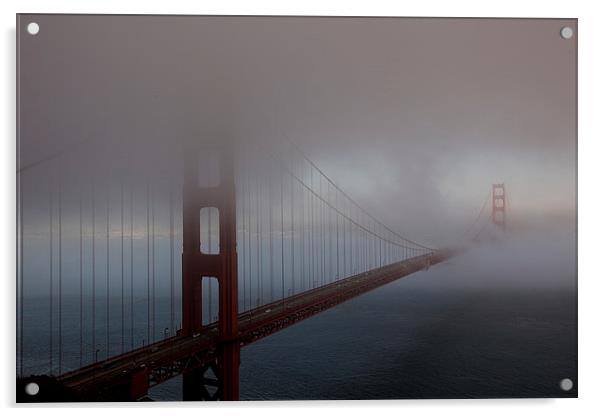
(175, 355)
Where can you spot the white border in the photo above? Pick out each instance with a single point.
(590, 201)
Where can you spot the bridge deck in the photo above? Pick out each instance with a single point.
(175, 355)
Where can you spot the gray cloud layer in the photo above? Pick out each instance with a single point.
(413, 117)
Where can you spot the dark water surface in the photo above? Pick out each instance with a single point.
(489, 323)
(424, 337)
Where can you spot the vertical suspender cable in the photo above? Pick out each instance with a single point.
(323, 233)
(249, 205)
(336, 204)
(330, 233)
(270, 214)
(323, 228)
(307, 203)
(60, 265)
(307, 229)
(374, 245)
(302, 228)
(258, 239)
(321, 225)
(317, 236)
(250, 220)
(358, 239)
(319, 231)
(351, 228)
(344, 243)
(51, 278)
(93, 270)
(292, 231)
(153, 208)
(368, 245)
(154, 321)
(131, 266)
(361, 235)
(350, 273)
(311, 229)
(305, 233)
(354, 241)
(21, 296)
(366, 252)
(360, 247)
(351, 243)
(171, 261)
(122, 279)
(260, 212)
(371, 247)
(244, 239)
(108, 272)
(282, 230)
(347, 240)
(148, 284)
(81, 283)
(327, 236)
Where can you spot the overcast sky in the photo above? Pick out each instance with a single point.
(414, 118)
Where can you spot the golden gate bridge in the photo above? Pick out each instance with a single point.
(166, 267)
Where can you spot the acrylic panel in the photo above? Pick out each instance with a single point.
(295, 208)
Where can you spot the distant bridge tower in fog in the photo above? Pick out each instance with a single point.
(498, 205)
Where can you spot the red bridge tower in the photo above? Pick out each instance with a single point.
(222, 266)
